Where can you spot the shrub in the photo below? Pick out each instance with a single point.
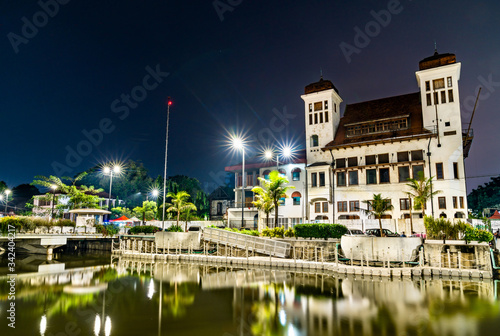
(290, 233)
(278, 232)
(442, 228)
(27, 223)
(12, 221)
(250, 232)
(37, 221)
(267, 232)
(320, 230)
(175, 228)
(107, 230)
(145, 229)
(65, 222)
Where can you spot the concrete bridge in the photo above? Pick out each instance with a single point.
(45, 243)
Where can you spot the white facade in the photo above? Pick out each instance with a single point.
(292, 208)
(346, 169)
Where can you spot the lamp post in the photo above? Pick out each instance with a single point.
(238, 144)
(53, 187)
(169, 102)
(109, 171)
(7, 192)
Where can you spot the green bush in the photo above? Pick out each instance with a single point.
(12, 221)
(320, 230)
(175, 228)
(278, 232)
(107, 230)
(250, 232)
(65, 222)
(267, 232)
(290, 233)
(144, 229)
(441, 228)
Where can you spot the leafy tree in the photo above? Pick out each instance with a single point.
(121, 211)
(3, 186)
(180, 204)
(420, 191)
(262, 200)
(377, 207)
(485, 196)
(22, 194)
(275, 189)
(147, 211)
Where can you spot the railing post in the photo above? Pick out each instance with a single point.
(460, 259)
(449, 258)
(352, 264)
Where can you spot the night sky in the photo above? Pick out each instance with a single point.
(241, 67)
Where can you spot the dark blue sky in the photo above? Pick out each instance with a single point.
(235, 73)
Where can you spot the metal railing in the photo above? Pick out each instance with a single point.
(243, 241)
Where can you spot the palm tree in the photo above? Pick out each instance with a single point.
(275, 189)
(263, 202)
(377, 207)
(180, 203)
(421, 191)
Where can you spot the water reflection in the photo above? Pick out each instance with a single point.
(132, 297)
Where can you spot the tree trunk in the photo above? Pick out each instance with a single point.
(178, 217)
(276, 214)
(380, 224)
(267, 219)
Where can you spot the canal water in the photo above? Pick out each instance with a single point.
(104, 295)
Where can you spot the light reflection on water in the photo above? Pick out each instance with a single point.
(127, 297)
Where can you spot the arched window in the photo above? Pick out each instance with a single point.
(296, 198)
(459, 215)
(296, 174)
(314, 141)
(282, 171)
(266, 174)
(442, 215)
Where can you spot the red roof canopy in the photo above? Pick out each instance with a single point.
(121, 219)
(496, 215)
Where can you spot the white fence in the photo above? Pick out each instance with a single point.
(243, 241)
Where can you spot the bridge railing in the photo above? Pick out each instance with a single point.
(243, 241)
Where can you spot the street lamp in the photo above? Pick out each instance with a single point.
(53, 187)
(286, 152)
(169, 102)
(238, 144)
(7, 192)
(108, 171)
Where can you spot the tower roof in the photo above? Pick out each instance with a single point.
(437, 60)
(321, 85)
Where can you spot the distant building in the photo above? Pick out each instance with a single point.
(292, 207)
(42, 205)
(220, 200)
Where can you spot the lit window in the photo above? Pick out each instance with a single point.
(326, 104)
(296, 198)
(449, 82)
(318, 106)
(296, 174)
(310, 107)
(438, 83)
(281, 201)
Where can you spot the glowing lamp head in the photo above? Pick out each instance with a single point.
(53, 187)
(287, 152)
(169, 103)
(7, 191)
(155, 192)
(238, 143)
(116, 169)
(268, 154)
(106, 170)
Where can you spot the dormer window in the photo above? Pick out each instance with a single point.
(377, 127)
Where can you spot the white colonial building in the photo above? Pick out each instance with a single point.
(374, 148)
(377, 145)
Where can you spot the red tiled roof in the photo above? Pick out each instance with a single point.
(385, 108)
(496, 215)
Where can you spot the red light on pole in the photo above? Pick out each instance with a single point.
(169, 101)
